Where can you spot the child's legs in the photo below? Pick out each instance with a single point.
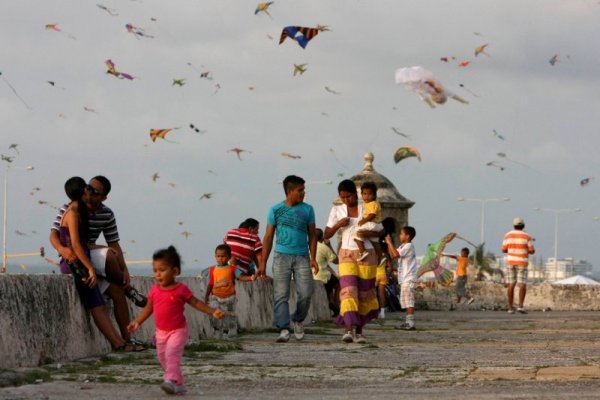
(169, 348)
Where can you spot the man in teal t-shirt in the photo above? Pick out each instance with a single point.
(292, 222)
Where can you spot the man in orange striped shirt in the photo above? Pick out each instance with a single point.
(518, 245)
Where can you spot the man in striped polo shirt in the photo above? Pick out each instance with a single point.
(245, 245)
(107, 261)
(518, 245)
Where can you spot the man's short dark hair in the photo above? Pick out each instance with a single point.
(249, 223)
(466, 249)
(291, 182)
(105, 183)
(319, 234)
(410, 231)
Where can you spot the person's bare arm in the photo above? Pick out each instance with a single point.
(368, 218)
(266, 250)
(391, 248)
(200, 306)
(142, 316)
(65, 252)
(331, 230)
(312, 247)
(71, 220)
(209, 289)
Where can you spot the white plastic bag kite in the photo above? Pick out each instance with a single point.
(426, 85)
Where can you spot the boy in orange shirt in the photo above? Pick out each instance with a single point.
(221, 291)
(462, 262)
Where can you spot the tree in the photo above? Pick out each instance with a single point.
(483, 261)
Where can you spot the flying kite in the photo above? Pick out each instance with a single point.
(481, 50)
(19, 233)
(155, 177)
(495, 165)
(192, 127)
(301, 34)
(35, 189)
(45, 203)
(299, 69)
(14, 91)
(53, 27)
(179, 82)
(585, 181)
(431, 260)
(425, 85)
(206, 75)
(217, 88)
(136, 31)
(397, 132)
(113, 71)
(330, 90)
(464, 64)
(186, 234)
(88, 109)
(13, 146)
(263, 7)
(406, 152)
(464, 87)
(206, 196)
(288, 155)
(238, 151)
(503, 155)
(8, 159)
(553, 60)
(172, 184)
(111, 11)
(160, 133)
(499, 136)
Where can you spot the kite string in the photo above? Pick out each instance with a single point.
(15, 92)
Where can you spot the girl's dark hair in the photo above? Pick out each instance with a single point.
(75, 188)
(370, 186)
(346, 186)
(170, 256)
(389, 225)
(224, 247)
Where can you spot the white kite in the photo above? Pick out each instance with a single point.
(426, 85)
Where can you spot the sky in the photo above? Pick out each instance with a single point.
(547, 114)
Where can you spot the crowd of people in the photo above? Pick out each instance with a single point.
(301, 252)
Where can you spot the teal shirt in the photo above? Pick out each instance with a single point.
(291, 227)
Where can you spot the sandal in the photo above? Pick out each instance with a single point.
(129, 348)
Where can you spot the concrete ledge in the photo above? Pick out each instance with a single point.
(492, 296)
(42, 320)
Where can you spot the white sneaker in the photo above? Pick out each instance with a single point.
(168, 387)
(298, 330)
(521, 310)
(364, 255)
(511, 311)
(381, 314)
(284, 336)
(348, 337)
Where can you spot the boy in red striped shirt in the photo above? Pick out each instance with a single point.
(518, 245)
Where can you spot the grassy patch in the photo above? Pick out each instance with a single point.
(214, 346)
(37, 375)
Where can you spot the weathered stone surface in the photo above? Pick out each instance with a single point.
(42, 320)
(456, 355)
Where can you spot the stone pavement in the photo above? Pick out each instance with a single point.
(460, 354)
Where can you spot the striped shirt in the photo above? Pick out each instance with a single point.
(244, 246)
(518, 245)
(102, 221)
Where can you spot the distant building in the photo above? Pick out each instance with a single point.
(565, 268)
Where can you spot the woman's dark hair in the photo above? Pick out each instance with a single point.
(347, 186)
(75, 188)
(389, 225)
(170, 256)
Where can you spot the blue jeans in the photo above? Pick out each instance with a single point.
(284, 266)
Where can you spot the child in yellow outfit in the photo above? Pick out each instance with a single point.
(370, 221)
